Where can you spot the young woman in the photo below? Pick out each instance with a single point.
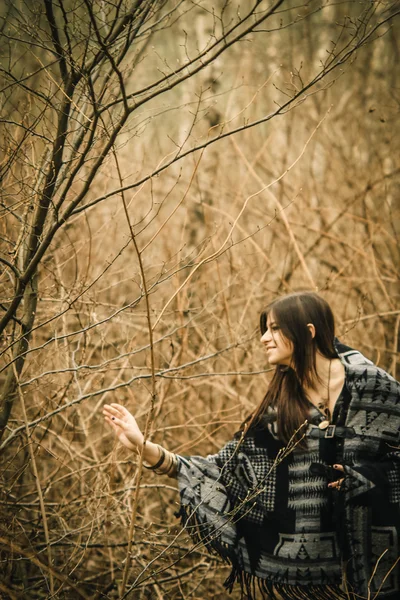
(304, 502)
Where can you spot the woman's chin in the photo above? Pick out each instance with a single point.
(272, 361)
(275, 361)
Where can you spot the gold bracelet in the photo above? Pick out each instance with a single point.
(171, 470)
(160, 461)
(175, 466)
(167, 467)
(166, 463)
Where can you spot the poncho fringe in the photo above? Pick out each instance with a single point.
(251, 586)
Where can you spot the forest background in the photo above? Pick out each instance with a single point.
(167, 169)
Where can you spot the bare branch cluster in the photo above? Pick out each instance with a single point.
(167, 168)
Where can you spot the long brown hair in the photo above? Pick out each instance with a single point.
(286, 393)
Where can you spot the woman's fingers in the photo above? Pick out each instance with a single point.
(115, 421)
(112, 421)
(337, 484)
(122, 409)
(116, 410)
(123, 424)
(115, 416)
(112, 409)
(339, 467)
(112, 424)
(108, 411)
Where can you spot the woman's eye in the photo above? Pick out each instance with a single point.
(274, 328)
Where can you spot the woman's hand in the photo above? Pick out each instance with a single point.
(124, 425)
(336, 485)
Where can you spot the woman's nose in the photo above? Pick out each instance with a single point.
(266, 337)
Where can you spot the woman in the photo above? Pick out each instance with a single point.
(304, 502)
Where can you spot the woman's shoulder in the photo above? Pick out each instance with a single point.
(361, 373)
(350, 356)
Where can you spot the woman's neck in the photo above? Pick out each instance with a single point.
(328, 382)
(323, 368)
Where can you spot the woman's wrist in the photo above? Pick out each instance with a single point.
(150, 451)
(161, 461)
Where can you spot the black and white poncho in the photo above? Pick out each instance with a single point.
(280, 527)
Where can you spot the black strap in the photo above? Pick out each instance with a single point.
(331, 431)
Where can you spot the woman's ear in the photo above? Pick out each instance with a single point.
(312, 329)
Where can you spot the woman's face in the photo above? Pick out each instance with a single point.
(279, 348)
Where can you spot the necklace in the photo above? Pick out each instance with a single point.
(324, 405)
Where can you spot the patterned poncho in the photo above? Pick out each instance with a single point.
(270, 514)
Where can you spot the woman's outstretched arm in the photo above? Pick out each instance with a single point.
(127, 430)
